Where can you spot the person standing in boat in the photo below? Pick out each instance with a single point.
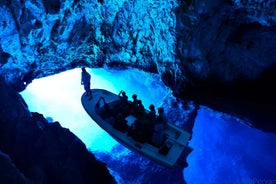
(85, 81)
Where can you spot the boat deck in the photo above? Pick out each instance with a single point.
(177, 139)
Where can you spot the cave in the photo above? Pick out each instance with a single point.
(211, 64)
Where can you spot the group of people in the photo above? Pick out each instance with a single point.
(135, 106)
(148, 127)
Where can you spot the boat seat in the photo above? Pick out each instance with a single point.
(165, 148)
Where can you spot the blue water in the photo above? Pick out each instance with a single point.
(225, 151)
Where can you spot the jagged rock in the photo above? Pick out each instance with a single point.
(40, 151)
(52, 6)
(8, 171)
(3, 57)
(225, 53)
(219, 53)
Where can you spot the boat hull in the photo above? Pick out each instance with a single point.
(176, 141)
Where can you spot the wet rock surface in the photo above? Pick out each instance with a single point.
(9, 172)
(33, 150)
(220, 54)
(227, 59)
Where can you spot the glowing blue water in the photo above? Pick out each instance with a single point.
(229, 152)
(224, 151)
(58, 97)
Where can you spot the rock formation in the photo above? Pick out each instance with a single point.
(219, 53)
(35, 151)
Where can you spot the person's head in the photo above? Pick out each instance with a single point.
(83, 69)
(134, 96)
(124, 93)
(139, 102)
(151, 107)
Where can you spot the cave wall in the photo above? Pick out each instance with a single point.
(217, 53)
(35, 151)
(226, 55)
(76, 33)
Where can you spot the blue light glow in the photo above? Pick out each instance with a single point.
(58, 97)
(224, 151)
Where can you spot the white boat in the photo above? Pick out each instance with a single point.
(174, 148)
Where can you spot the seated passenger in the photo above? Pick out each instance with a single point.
(106, 111)
(120, 123)
(152, 114)
(137, 132)
(124, 104)
(123, 96)
(159, 127)
(151, 118)
(140, 111)
(158, 134)
(134, 103)
(161, 118)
